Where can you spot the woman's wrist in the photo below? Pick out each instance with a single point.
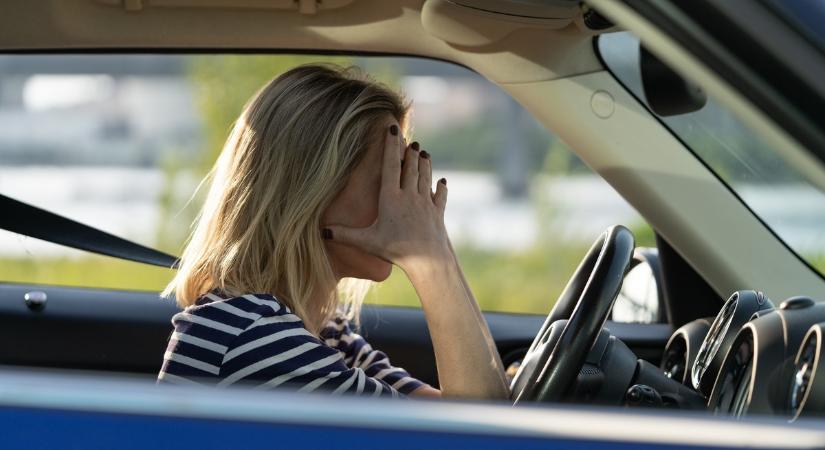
(423, 266)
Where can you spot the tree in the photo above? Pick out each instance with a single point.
(222, 85)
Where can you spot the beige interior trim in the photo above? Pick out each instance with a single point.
(524, 54)
(690, 207)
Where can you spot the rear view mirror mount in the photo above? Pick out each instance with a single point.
(667, 93)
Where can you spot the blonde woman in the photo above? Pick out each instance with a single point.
(316, 185)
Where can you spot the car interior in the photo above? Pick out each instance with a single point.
(736, 315)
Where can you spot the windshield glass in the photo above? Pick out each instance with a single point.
(774, 190)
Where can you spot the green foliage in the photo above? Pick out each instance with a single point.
(478, 144)
(644, 234)
(517, 282)
(222, 84)
(468, 146)
(89, 271)
(817, 261)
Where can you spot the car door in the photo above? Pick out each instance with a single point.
(127, 331)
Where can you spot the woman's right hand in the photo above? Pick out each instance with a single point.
(409, 230)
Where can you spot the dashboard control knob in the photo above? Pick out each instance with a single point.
(643, 395)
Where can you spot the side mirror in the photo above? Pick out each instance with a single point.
(640, 299)
(667, 93)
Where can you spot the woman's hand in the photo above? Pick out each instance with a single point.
(409, 230)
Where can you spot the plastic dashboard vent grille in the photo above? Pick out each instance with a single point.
(589, 371)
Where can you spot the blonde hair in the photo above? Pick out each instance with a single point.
(289, 154)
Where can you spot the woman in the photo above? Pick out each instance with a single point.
(316, 185)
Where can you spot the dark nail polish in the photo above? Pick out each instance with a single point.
(443, 181)
(424, 154)
(415, 146)
(326, 233)
(394, 130)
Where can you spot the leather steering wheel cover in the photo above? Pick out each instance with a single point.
(569, 297)
(562, 310)
(598, 288)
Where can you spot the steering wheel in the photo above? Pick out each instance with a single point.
(558, 352)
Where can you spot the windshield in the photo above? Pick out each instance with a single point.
(774, 190)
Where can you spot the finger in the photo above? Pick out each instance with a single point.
(409, 174)
(425, 173)
(391, 166)
(358, 237)
(440, 197)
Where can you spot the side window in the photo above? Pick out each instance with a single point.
(122, 141)
(86, 137)
(523, 209)
(638, 300)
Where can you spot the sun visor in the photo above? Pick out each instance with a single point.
(476, 23)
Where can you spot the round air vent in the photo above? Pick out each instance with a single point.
(733, 385)
(736, 312)
(713, 341)
(807, 388)
(682, 348)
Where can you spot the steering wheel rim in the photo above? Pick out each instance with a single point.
(585, 303)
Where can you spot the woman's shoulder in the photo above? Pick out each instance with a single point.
(238, 312)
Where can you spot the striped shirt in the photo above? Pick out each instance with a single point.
(257, 341)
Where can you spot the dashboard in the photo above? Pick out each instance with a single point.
(754, 357)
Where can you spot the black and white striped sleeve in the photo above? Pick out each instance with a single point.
(278, 352)
(359, 354)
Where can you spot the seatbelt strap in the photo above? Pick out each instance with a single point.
(28, 220)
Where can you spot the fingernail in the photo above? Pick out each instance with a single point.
(326, 233)
(424, 154)
(443, 181)
(394, 130)
(415, 146)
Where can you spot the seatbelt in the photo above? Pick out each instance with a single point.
(28, 220)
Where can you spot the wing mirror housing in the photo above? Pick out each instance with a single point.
(667, 93)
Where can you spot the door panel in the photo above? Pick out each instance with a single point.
(402, 334)
(84, 329)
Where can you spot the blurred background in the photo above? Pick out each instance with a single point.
(121, 142)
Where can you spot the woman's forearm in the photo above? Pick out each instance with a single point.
(467, 360)
(482, 321)
(476, 308)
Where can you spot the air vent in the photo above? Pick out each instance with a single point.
(681, 349)
(713, 341)
(803, 372)
(732, 391)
